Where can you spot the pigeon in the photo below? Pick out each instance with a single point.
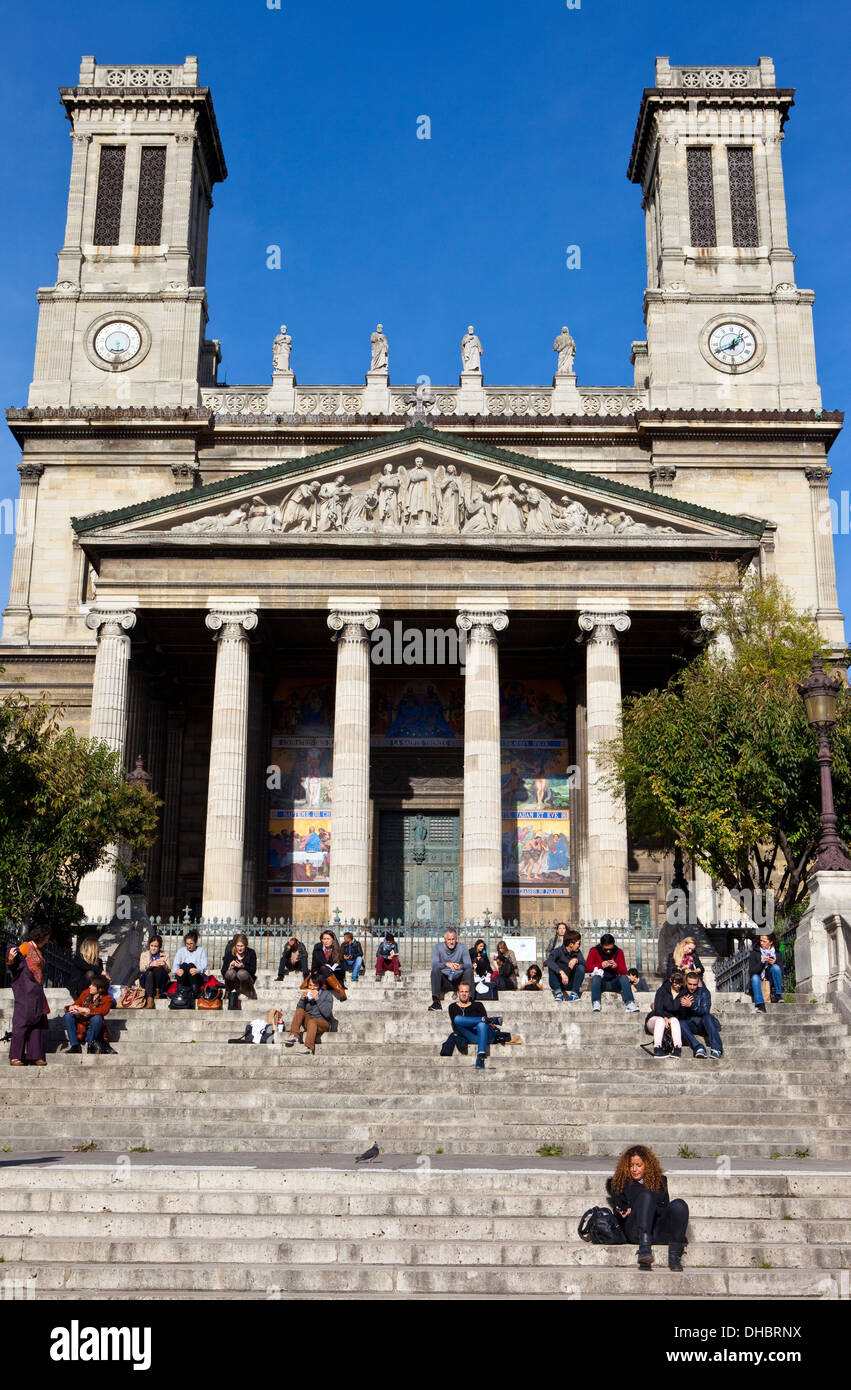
(369, 1156)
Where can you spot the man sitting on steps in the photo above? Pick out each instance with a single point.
(314, 1015)
(696, 1017)
(450, 965)
(470, 1023)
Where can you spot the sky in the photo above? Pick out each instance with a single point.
(532, 109)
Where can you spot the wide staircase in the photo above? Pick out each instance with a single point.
(190, 1168)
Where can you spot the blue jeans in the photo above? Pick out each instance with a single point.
(705, 1025)
(775, 978)
(354, 966)
(93, 1031)
(599, 983)
(473, 1030)
(575, 978)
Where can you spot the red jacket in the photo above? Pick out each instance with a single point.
(103, 1008)
(595, 962)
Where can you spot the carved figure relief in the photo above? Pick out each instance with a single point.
(421, 498)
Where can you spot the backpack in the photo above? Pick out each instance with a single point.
(600, 1226)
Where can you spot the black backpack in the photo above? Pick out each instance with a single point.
(600, 1226)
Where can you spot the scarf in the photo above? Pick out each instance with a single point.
(34, 959)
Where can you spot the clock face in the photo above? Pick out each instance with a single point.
(732, 344)
(118, 342)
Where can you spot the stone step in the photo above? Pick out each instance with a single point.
(281, 1280)
(61, 1211)
(722, 1239)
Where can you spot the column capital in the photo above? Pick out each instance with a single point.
(231, 624)
(351, 624)
(817, 475)
(604, 627)
(30, 472)
(111, 622)
(483, 624)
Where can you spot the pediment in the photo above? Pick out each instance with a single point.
(418, 486)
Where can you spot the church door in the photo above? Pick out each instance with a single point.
(419, 867)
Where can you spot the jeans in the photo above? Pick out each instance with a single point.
(473, 1030)
(775, 977)
(441, 982)
(353, 966)
(609, 983)
(575, 978)
(705, 1025)
(93, 1031)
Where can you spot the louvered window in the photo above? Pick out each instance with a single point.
(149, 209)
(701, 199)
(110, 190)
(742, 195)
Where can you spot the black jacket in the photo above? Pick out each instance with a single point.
(286, 965)
(755, 960)
(481, 964)
(249, 960)
(318, 961)
(76, 978)
(627, 1198)
(671, 966)
(664, 1003)
(561, 959)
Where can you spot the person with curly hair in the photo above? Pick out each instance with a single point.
(639, 1195)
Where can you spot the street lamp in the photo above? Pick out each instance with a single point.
(819, 692)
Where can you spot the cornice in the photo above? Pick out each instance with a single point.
(783, 98)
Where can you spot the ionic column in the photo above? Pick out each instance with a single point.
(481, 869)
(349, 877)
(108, 723)
(608, 867)
(225, 833)
(818, 479)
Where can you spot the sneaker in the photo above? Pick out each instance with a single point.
(597, 1007)
(434, 1007)
(675, 1052)
(700, 1052)
(777, 998)
(632, 1008)
(305, 1052)
(515, 1040)
(713, 1052)
(76, 1048)
(658, 1052)
(108, 1051)
(480, 1062)
(559, 997)
(290, 1041)
(93, 1047)
(572, 998)
(760, 1008)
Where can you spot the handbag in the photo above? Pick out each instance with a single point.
(204, 1003)
(233, 1000)
(599, 1226)
(132, 998)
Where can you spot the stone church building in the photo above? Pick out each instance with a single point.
(367, 639)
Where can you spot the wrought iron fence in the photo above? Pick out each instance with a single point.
(731, 973)
(267, 936)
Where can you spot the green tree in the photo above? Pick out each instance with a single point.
(64, 805)
(722, 760)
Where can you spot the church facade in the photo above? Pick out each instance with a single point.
(368, 640)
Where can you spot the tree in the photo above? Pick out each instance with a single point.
(64, 805)
(722, 761)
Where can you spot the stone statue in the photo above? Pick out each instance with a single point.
(450, 497)
(361, 511)
(334, 502)
(566, 349)
(281, 349)
(418, 508)
(507, 505)
(262, 517)
(471, 352)
(380, 351)
(478, 515)
(539, 514)
(299, 508)
(388, 487)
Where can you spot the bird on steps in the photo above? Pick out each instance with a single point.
(369, 1155)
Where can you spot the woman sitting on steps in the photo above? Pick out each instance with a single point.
(639, 1194)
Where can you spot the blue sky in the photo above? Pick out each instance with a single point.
(532, 109)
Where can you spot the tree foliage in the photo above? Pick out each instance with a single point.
(722, 760)
(64, 806)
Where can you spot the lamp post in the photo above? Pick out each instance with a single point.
(818, 692)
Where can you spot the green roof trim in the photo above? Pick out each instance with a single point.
(418, 433)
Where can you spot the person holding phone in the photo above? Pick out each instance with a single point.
(764, 964)
(314, 1015)
(154, 971)
(638, 1192)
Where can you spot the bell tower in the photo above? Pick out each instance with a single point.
(124, 324)
(727, 327)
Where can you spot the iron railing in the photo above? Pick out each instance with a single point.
(731, 973)
(58, 964)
